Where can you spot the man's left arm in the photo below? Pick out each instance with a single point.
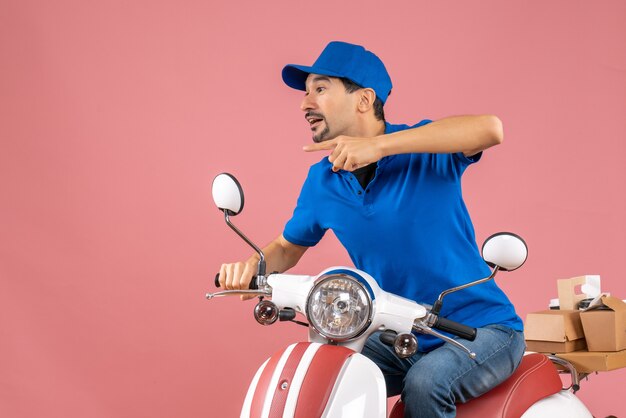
(467, 134)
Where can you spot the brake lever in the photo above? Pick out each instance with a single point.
(419, 326)
(258, 292)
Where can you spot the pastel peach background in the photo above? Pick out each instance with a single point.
(115, 116)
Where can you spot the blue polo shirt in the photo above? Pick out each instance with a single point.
(409, 229)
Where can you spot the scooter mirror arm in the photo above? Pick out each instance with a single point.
(239, 293)
(420, 327)
(261, 266)
(439, 302)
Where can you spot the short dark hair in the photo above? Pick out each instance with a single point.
(351, 87)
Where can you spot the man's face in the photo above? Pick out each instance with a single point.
(328, 108)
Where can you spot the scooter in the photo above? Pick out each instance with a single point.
(328, 377)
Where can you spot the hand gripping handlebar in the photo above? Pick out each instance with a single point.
(253, 283)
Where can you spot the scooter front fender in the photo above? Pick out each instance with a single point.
(311, 379)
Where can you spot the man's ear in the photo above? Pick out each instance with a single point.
(366, 99)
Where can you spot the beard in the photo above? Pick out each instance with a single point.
(322, 136)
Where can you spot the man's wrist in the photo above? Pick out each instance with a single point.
(383, 146)
(254, 259)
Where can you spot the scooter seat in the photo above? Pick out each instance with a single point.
(535, 378)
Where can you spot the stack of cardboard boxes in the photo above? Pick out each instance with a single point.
(593, 339)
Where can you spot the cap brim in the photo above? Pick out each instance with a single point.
(295, 75)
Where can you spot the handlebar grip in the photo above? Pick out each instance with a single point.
(253, 285)
(455, 328)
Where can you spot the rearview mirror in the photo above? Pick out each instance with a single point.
(505, 250)
(227, 194)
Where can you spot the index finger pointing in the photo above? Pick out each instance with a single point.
(320, 146)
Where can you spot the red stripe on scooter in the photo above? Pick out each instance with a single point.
(256, 407)
(286, 378)
(320, 379)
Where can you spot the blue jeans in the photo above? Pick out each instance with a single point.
(432, 383)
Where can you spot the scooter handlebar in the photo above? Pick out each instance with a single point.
(455, 328)
(253, 284)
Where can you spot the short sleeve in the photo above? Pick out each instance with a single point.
(465, 160)
(303, 228)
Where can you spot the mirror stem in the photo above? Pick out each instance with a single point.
(261, 267)
(439, 303)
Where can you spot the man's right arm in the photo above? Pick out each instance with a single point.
(280, 256)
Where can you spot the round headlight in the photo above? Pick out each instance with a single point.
(339, 307)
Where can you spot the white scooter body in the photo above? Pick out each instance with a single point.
(358, 390)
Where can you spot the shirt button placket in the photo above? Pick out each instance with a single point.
(367, 201)
(354, 184)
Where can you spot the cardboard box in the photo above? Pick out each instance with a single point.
(605, 329)
(554, 331)
(588, 362)
(551, 347)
